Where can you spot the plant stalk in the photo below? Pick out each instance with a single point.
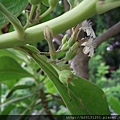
(84, 10)
(15, 22)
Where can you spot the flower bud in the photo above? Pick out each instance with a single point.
(65, 47)
(48, 34)
(72, 52)
(64, 75)
(71, 41)
(53, 3)
(75, 47)
(64, 40)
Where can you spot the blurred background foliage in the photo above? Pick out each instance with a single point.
(36, 95)
(104, 67)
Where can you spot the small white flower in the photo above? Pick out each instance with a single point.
(86, 50)
(89, 47)
(90, 44)
(87, 27)
(91, 53)
(84, 44)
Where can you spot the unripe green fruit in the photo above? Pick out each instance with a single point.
(35, 2)
(53, 3)
(64, 76)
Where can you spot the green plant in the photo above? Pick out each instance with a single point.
(98, 75)
(75, 91)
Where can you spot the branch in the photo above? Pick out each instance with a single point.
(108, 34)
(15, 22)
(104, 6)
(58, 25)
(84, 10)
(80, 62)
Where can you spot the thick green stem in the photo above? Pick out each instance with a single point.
(15, 22)
(84, 10)
(104, 6)
(60, 24)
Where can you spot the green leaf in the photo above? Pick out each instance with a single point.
(17, 55)
(7, 110)
(50, 86)
(79, 1)
(17, 88)
(14, 6)
(15, 100)
(84, 98)
(46, 3)
(92, 99)
(115, 104)
(29, 48)
(10, 69)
